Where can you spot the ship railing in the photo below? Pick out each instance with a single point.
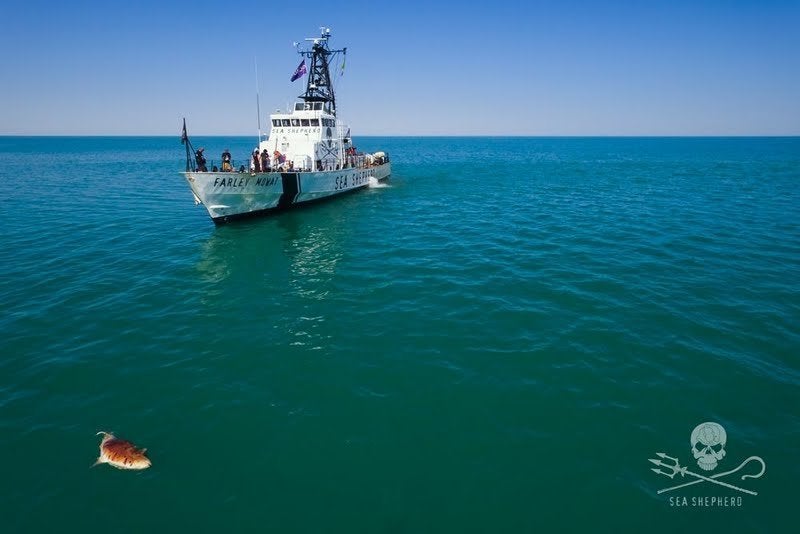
(363, 161)
(213, 164)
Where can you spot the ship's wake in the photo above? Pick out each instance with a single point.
(374, 183)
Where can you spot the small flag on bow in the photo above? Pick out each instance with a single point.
(301, 69)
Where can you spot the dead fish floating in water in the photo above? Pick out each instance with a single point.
(121, 454)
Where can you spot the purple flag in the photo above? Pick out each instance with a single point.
(301, 69)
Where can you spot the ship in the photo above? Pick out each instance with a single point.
(307, 156)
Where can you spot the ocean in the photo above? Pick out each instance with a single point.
(498, 340)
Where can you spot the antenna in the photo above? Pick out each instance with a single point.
(258, 104)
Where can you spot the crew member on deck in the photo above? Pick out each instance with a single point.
(226, 161)
(256, 163)
(278, 159)
(265, 160)
(200, 160)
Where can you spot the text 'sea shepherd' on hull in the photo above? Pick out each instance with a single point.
(307, 156)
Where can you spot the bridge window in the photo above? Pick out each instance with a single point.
(298, 106)
(285, 122)
(304, 122)
(295, 122)
(317, 106)
(276, 122)
(314, 122)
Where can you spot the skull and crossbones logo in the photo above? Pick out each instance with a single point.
(708, 442)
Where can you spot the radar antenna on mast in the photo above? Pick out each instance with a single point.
(318, 86)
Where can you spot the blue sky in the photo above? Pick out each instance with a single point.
(413, 68)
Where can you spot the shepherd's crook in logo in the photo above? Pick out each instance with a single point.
(708, 442)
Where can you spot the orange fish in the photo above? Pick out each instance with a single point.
(121, 454)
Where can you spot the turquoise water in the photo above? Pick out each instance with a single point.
(495, 342)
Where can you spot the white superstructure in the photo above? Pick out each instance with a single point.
(309, 137)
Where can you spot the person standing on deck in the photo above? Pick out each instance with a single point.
(200, 160)
(278, 159)
(255, 164)
(226, 161)
(265, 160)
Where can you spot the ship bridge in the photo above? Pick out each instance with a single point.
(309, 137)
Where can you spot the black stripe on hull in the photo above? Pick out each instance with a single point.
(291, 188)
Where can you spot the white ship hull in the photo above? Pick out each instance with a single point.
(232, 195)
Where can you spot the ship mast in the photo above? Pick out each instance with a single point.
(319, 87)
